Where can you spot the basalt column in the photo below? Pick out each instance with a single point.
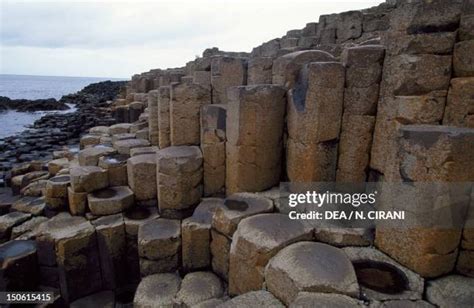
(460, 112)
(430, 153)
(163, 117)
(226, 72)
(153, 117)
(255, 120)
(185, 105)
(213, 137)
(314, 119)
(416, 75)
(363, 71)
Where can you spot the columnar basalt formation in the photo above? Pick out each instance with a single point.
(255, 120)
(153, 117)
(185, 107)
(213, 141)
(226, 72)
(178, 204)
(314, 122)
(179, 178)
(363, 73)
(164, 116)
(422, 156)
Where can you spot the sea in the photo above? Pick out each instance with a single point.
(36, 87)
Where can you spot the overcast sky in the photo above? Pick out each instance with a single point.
(121, 38)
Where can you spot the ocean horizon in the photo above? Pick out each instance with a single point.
(37, 87)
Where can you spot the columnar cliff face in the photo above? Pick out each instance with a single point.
(354, 81)
(189, 182)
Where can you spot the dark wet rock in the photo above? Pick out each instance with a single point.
(25, 105)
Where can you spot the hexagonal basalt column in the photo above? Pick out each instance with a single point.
(286, 68)
(124, 146)
(153, 117)
(179, 180)
(164, 116)
(19, 266)
(88, 178)
(256, 241)
(111, 240)
(90, 156)
(111, 200)
(198, 287)
(310, 266)
(314, 119)
(56, 195)
(157, 290)
(159, 246)
(134, 218)
(422, 155)
(226, 72)
(213, 137)
(68, 245)
(196, 235)
(224, 224)
(141, 171)
(116, 166)
(185, 106)
(381, 278)
(255, 120)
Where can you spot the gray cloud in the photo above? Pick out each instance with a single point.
(111, 38)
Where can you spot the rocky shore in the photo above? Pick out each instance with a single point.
(54, 131)
(181, 203)
(25, 105)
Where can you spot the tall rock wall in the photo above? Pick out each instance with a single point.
(328, 103)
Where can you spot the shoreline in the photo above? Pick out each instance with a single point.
(53, 131)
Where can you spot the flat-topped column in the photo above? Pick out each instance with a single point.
(255, 121)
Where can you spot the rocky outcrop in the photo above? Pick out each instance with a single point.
(383, 94)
